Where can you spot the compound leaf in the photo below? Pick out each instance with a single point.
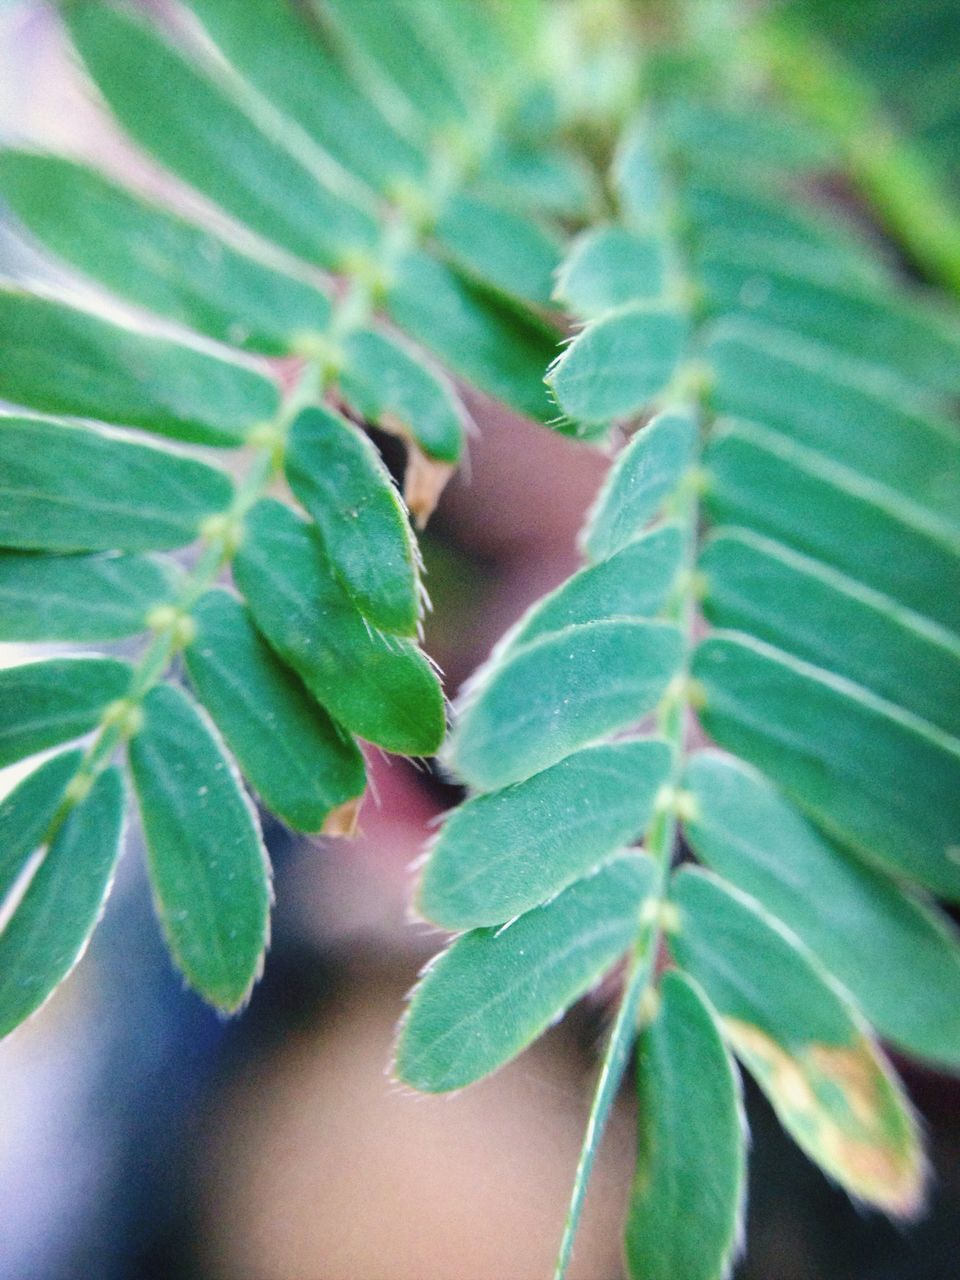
(295, 757)
(882, 781)
(293, 60)
(501, 854)
(59, 908)
(791, 1028)
(899, 959)
(477, 335)
(842, 410)
(743, 211)
(157, 259)
(559, 693)
(645, 475)
(379, 687)
(618, 364)
(199, 124)
(789, 600)
(495, 990)
(208, 867)
(542, 179)
(873, 324)
(499, 247)
(65, 360)
(394, 390)
(770, 143)
(338, 476)
(635, 582)
(67, 488)
(397, 48)
(79, 598)
(685, 1218)
(45, 703)
(766, 482)
(610, 267)
(27, 812)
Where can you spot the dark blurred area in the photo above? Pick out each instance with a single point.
(144, 1138)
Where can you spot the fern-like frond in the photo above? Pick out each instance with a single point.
(796, 450)
(350, 230)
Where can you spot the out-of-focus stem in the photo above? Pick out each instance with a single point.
(892, 175)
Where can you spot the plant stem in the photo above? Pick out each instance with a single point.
(608, 1085)
(174, 626)
(672, 717)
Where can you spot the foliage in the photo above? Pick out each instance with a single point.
(349, 182)
(795, 489)
(771, 563)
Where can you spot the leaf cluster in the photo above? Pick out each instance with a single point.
(184, 476)
(755, 670)
(772, 566)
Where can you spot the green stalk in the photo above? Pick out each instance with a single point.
(687, 393)
(672, 720)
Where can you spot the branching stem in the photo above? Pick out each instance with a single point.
(672, 722)
(403, 226)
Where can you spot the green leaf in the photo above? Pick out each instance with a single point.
(685, 1218)
(27, 812)
(738, 210)
(771, 252)
(880, 780)
(898, 959)
(379, 687)
(79, 598)
(770, 143)
(613, 1066)
(638, 177)
(71, 489)
(474, 43)
(52, 922)
(45, 703)
(618, 364)
(506, 250)
(635, 582)
(879, 326)
(843, 411)
(393, 388)
(763, 480)
(339, 477)
(559, 693)
(496, 990)
(64, 360)
(207, 863)
(157, 259)
(809, 262)
(486, 340)
(293, 61)
(295, 757)
(798, 604)
(198, 123)
(647, 472)
(501, 854)
(539, 178)
(790, 1027)
(609, 267)
(394, 46)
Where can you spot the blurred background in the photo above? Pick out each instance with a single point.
(143, 1138)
